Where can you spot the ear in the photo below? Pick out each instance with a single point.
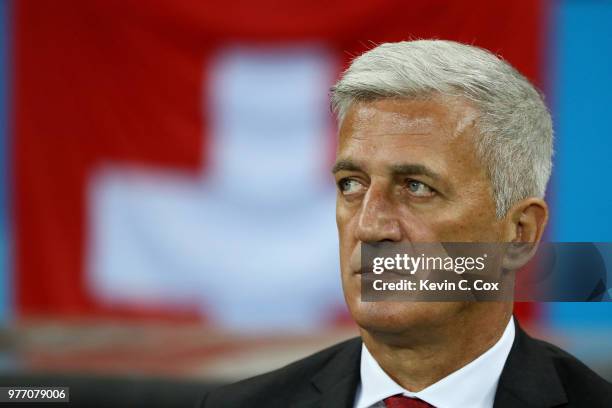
(525, 223)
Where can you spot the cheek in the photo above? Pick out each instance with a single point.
(487, 226)
(418, 227)
(469, 219)
(474, 224)
(483, 222)
(344, 221)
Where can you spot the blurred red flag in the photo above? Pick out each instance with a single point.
(121, 82)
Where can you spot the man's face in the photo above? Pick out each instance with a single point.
(407, 171)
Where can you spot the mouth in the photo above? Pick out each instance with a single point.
(391, 274)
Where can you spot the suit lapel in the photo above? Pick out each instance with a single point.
(529, 378)
(336, 383)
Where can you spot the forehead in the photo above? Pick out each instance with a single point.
(386, 116)
(426, 131)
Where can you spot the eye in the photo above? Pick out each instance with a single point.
(348, 186)
(419, 189)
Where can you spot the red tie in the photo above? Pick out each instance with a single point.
(400, 401)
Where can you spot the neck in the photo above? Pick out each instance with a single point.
(418, 358)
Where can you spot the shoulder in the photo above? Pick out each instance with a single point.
(275, 387)
(538, 373)
(582, 385)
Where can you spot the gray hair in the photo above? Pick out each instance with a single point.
(515, 127)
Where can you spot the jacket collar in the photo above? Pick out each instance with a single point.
(529, 378)
(336, 383)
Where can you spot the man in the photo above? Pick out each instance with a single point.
(438, 142)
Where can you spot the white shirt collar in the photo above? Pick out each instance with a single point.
(473, 385)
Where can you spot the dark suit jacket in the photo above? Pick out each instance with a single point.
(536, 374)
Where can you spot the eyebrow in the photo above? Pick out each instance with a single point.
(396, 169)
(414, 169)
(346, 165)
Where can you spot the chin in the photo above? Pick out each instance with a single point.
(402, 317)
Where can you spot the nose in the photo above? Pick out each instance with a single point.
(378, 219)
